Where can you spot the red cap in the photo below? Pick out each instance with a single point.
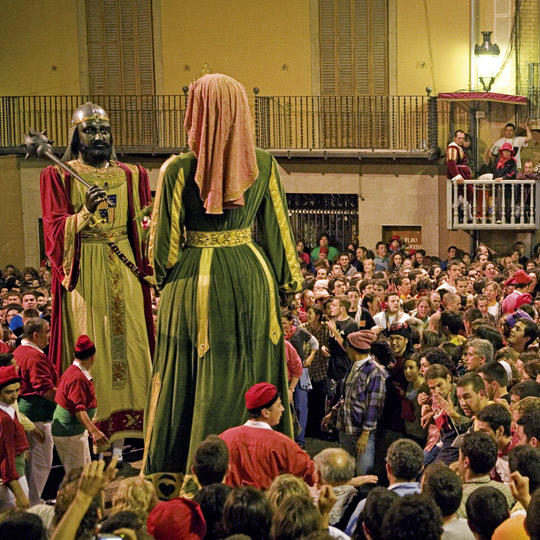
(522, 278)
(84, 348)
(177, 519)
(261, 396)
(395, 237)
(8, 374)
(324, 249)
(507, 146)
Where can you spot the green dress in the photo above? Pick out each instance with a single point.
(219, 325)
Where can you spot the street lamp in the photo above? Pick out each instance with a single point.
(487, 61)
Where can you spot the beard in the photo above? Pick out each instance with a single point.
(96, 152)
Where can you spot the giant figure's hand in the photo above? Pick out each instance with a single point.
(94, 196)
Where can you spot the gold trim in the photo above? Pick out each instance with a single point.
(154, 397)
(97, 235)
(203, 292)
(156, 210)
(70, 232)
(232, 238)
(176, 229)
(275, 327)
(85, 216)
(95, 116)
(285, 231)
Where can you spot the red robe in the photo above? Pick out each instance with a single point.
(258, 455)
(456, 162)
(13, 443)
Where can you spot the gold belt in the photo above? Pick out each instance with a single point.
(93, 235)
(202, 239)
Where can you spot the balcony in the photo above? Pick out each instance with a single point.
(347, 126)
(304, 126)
(487, 204)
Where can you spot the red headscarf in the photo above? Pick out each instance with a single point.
(220, 134)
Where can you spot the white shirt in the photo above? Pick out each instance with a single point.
(83, 369)
(8, 409)
(29, 343)
(381, 319)
(260, 425)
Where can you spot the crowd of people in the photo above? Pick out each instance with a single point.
(424, 373)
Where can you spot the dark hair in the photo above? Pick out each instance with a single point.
(531, 424)
(15, 523)
(295, 517)
(432, 339)
(382, 351)
(6, 359)
(496, 415)
(486, 510)
(406, 459)
(211, 460)
(378, 502)
(437, 371)
(413, 517)
(530, 330)
(525, 389)
(33, 326)
(481, 450)
(510, 125)
(532, 521)
(526, 460)
(490, 333)
(453, 321)
(247, 511)
(443, 485)
(286, 314)
(532, 369)
(212, 500)
(436, 355)
(125, 519)
(473, 380)
(494, 371)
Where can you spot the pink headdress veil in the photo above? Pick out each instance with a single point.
(220, 134)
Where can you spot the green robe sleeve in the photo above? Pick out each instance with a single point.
(276, 234)
(166, 232)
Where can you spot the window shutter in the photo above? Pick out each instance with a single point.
(353, 47)
(120, 47)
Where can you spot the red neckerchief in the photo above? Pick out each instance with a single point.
(291, 333)
(502, 159)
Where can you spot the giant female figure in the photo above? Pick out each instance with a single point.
(219, 325)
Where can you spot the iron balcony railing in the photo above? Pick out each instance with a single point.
(490, 204)
(406, 123)
(148, 124)
(154, 124)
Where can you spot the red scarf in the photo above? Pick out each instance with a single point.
(291, 333)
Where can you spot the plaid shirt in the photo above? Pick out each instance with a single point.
(363, 397)
(475, 483)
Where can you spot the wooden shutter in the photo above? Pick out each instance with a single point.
(120, 47)
(354, 47)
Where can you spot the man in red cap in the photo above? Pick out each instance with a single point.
(258, 453)
(177, 519)
(38, 388)
(75, 406)
(520, 295)
(13, 443)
